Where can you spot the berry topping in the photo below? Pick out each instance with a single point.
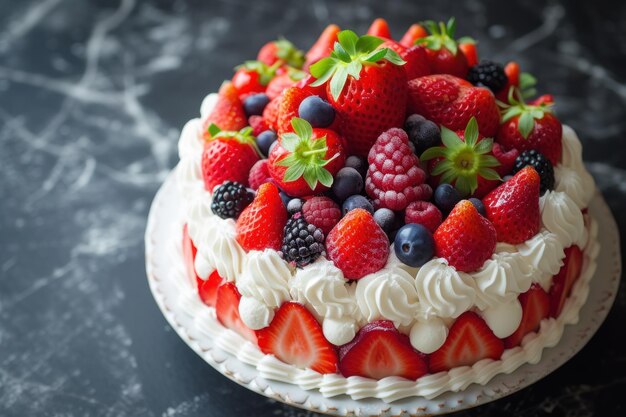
(394, 178)
(379, 351)
(252, 77)
(479, 206)
(258, 125)
(229, 200)
(323, 46)
(347, 182)
(465, 239)
(380, 28)
(316, 111)
(303, 243)
(228, 112)
(469, 340)
(413, 33)
(535, 307)
(281, 82)
(265, 140)
(288, 108)
(358, 163)
(270, 113)
(254, 104)
(542, 166)
(227, 311)
(386, 219)
(422, 133)
(564, 280)
(260, 225)
(259, 174)
(443, 52)
(488, 74)
(322, 212)
(296, 338)
(357, 245)
(281, 50)
(294, 205)
(446, 197)
(513, 207)
(424, 213)
(355, 202)
(414, 245)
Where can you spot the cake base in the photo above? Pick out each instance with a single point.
(196, 325)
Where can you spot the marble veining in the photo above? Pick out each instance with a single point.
(92, 97)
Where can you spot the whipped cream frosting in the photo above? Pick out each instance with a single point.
(561, 216)
(544, 252)
(218, 248)
(428, 335)
(570, 175)
(504, 318)
(254, 313)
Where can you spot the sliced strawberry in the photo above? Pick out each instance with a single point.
(563, 282)
(469, 340)
(379, 351)
(189, 255)
(380, 28)
(208, 289)
(323, 46)
(227, 311)
(414, 33)
(295, 337)
(535, 307)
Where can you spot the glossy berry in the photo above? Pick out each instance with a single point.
(479, 206)
(229, 200)
(422, 132)
(488, 74)
(541, 164)
(424, 213)
(294, 205)
(355, 202)
(414, 245)
(386, 219)
(446, 197)
(303, 243)
(254, 104)
(316, 111)
(347, 182)
(322, 212)
(265, 140)
(259, 174)
(358, 163)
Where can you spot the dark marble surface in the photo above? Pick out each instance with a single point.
(92, 97)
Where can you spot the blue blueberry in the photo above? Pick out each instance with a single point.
(253, 105)
(356, 201)
(358, 163)
(265, 140)
(446, 197)
(422, 133)
(294, 206)
(316, 111)
(386, 219)
(347, 182)
(414, 245)
(480, 207)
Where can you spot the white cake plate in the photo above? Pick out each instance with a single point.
(180, 306)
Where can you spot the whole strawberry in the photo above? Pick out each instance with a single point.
(281, 50)
(444, 55)
(228, 113)
(228, 156)
(288, 108)
(260, 225)
(270, 113)
(465, 239)
(305, 162)
(415, 56)
(323, 46)
(366, 85)
(525, 127)
(513, 207)
(252, 77)
(452, 102)
(380, 28)
(357, 245)
(394, 177)
(287, 78)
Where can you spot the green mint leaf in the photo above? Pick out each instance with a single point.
(338, 81)
(289, 141)
(368, 43)
(393, 57)
(489, 174)
(375, 56)
(310, 177)
(324, 177)
(294, 172)
(214, 129)
(348, 39)
(450, 139)
(525, 124)
(432, 153)
(471, 132)
(484, 146)
(302, 128)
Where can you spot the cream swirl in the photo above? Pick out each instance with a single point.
(501, 279)
(218, 247)
(503, 319)
(443, 291)
(254, 313)
(387, 294)
(429, 335)
(571, 176)
(265, 276)
(545, 253)
(208, 104)
(561, 216)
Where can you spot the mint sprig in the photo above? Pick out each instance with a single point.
(347, 59)
(307, 157)
(442, 36)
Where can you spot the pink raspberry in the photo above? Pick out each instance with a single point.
(394, 178)
(257, 124)
(322, 212)
(424, 213)
(259, 174)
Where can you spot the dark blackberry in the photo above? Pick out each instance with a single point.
(488, 74)
(303, 243)
(542, 166)
(229, 200)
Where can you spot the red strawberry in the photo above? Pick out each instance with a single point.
(546, 99)
(261, 224)
(444, 55)
(357, 245)
(506, 160)
(368, 99)
(535, 307)
(512, 72)
(322, 212)
(296, 338)
(281, 50)
(227, 311)
(283, 81)
(228, 156)
(305, 162)
(323, 46)
(394, 178)
(380, 28)
(414, 33)
(270, 113)
(425, 213)
(415, 56)
(469, 341)
(379, 351)
(228, 112)
(465, 239)
(469, 50)
(563, 282)
(526, 127)
(513, 207)
(189, 255)
(288, 109)
(306, 82)
(452, 102)
(252, 77)
(259, 174)
(257, 124)
(208, 289)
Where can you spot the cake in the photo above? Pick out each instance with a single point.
(384, 218)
